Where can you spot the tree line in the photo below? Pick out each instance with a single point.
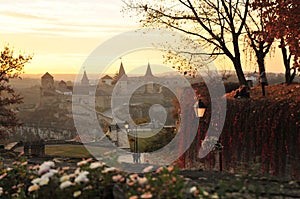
(224, 26)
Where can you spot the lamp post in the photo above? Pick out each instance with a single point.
(136, 155)
(136, 150)
(126, 125)
(199, 108)
(219, 147)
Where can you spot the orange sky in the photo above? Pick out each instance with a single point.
(61, 34)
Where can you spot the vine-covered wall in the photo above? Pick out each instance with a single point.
(259, 135)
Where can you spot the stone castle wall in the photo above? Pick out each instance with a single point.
(28, 133)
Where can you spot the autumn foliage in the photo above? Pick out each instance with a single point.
(11, 66)
(261, 134)
(282, 23)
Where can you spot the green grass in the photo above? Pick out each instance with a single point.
(78, 151)
(152, 143)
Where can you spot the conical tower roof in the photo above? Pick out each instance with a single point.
(121, 72)
(149, 71)
(85, 79)
(46, 75)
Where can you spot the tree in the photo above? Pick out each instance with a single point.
(283, 24)
(216, 24)
(255, 29)
(11, 67)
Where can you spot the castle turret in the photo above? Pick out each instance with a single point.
(121, 73)
(122, 80)
(47, 84)
(149, 71)
(85, 79)
(84, 87)
(149, 87)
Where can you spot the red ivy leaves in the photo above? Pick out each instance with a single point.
(282, 21)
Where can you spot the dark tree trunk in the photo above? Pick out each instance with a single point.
(289, 77)
(261, 64)
(237, 62)
(240, 73)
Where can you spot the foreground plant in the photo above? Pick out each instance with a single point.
(92, 179)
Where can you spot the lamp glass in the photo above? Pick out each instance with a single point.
(126, 125)
(200, 112)
(199, 108)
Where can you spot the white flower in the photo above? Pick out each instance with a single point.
(65, 184)
(95, 165)
(77, 171)
(109, 169)
(82, 177)
(36, 181)
(1, 191)
(193, 189)
(76, 194)
(44, 181)
(64, 178)
(45, 167)
(215, 196)
(50, 173)
(9, 169)
(205, 193)
(147, 169)
(40, 181)
(33, 188)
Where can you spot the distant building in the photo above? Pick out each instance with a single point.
(47, 85)
(252, 78)
(107, 80)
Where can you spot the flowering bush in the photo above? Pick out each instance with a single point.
(163, 183)
(92, 179)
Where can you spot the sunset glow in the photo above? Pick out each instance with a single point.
(61, 34)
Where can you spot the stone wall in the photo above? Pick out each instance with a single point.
(29, 133)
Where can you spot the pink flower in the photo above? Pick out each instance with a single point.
(142, 181)
(159, 170)
(148, 169)
(146, 195)
(116, 178)
(3, 176)
(170, 168)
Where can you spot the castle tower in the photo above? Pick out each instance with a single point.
(47, 84)
(149, 71)
(84, 87)
(85, 80)
(149, 87)
(121, 73)
(122, 80)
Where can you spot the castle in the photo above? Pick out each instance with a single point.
(143, 91)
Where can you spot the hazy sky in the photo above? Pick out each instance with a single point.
(62, 33)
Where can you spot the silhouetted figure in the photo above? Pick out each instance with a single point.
(263, 82)
(242, 92)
